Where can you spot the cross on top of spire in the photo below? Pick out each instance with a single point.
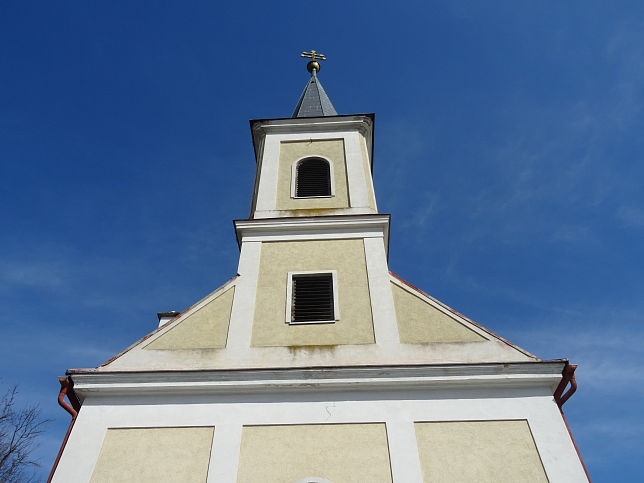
(313, 65)
(314, 102)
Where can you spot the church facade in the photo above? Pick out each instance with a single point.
(315, 363)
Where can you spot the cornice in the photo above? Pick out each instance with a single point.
(328, 123)
(363, 123)
(314, 225)
(507, 375)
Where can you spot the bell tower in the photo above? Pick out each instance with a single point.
(314, 234)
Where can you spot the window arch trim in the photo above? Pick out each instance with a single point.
(294, 167)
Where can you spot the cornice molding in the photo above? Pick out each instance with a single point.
(508, 375)
(335, 123)
(315, 226)
(363, 123)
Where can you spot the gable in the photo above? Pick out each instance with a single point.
(206, 328)
(421, 322)
(422, 319)
(203, 326)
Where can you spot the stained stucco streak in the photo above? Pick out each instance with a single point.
(333, 150)
(419, 322)
(481, 451)
(154, 455)
(207, 328)
(347, 453)
(347, 257)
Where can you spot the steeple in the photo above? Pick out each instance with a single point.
(314, 102)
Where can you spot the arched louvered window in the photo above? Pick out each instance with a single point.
(312, 298)
(312, 178)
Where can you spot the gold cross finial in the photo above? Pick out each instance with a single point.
(313, 65)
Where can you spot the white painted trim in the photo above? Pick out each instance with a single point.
(357, 184)
(296, 235)
(289, 297)
(382, 302)
(547, 374)
(294, 177)
(405, 464)
(243, 309)
(224, 458)
(370, 187)
(297, 213)
(265, 386)
(358, 122)
(268, 175)
(326, 227)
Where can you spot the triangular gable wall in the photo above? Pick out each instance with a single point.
(204, 325)
(423, 319)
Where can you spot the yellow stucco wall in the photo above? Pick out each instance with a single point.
(367, 174)
(207, 328)
(332, 149)
(341, 453)
(419, 322)
(347, 257)
(154, 455)
(481, 451)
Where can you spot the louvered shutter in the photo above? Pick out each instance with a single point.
(313, 178)
(312, 298)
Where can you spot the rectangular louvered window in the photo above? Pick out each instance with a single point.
(312, 298)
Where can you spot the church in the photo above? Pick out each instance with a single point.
(315, 363)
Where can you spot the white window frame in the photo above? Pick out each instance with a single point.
(289, 297)
(294, 177)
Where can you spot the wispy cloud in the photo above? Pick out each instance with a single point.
(605, 341)
(32, 274)
(631, 216)
(571, 234)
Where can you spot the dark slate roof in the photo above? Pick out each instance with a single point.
(314, 102)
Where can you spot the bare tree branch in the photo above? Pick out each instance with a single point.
(19, 431)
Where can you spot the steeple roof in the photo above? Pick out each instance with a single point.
(314, 101)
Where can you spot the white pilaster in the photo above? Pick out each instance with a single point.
(267, 189)
(382, 300)
(403, 452)
(241, 315)
(224, 456)
(358, 194)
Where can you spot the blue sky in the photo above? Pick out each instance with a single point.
(509, 151)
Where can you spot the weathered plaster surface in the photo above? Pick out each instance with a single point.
(207, 328)
(338, 452)
(481, 451)
(277, 259)
(332, 150)
(419, 322)
(141, 455)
